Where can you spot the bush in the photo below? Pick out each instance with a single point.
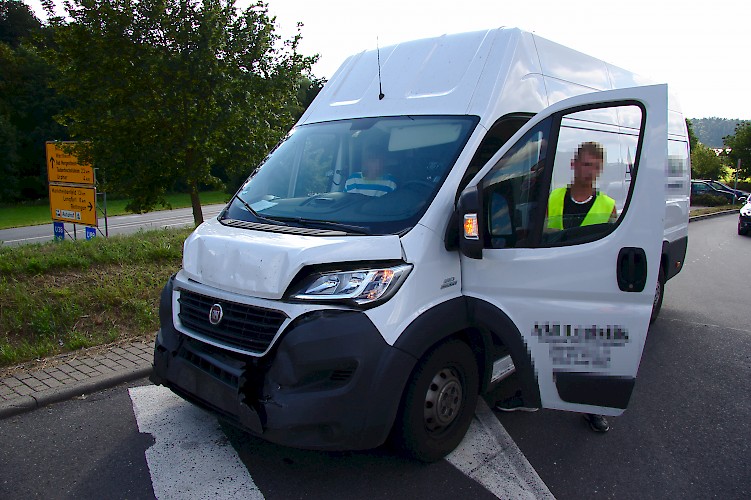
(708, 200)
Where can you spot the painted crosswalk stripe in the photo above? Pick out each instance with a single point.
(489, 456)
(191, 457)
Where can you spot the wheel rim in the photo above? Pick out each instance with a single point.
(443, 399)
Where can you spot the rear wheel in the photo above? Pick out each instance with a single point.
(438, 404)
(659, 292)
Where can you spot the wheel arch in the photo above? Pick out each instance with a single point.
(443, 322)
(479, 324)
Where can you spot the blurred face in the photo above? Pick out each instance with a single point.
(586, 169)
(372, 167)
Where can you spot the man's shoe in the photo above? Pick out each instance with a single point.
(597, 423)
(514, 403)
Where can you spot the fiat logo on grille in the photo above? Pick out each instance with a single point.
(216, 314)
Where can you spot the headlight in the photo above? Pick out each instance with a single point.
(361, 286)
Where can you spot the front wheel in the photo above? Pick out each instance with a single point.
(438, 404)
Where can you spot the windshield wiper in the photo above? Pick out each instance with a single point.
(325, 224)
(256, 215)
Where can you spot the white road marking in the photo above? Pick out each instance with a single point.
(489, 456)
(191, 457)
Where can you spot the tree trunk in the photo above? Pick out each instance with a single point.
(196, 203)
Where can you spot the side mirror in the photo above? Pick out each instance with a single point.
(464, 230)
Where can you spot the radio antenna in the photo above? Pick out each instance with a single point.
(380, 85)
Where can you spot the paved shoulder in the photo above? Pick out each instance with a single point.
(63, 377)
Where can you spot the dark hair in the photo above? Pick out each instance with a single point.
(594, 149)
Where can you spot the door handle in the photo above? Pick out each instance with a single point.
(632, 269)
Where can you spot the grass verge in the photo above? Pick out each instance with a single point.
(38, 212)
(713, 210)
(59, 297)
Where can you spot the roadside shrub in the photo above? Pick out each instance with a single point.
(708, 200)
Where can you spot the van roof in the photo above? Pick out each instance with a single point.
(486, 73)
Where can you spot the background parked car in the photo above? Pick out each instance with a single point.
(719, 185)
(744, 218)
(702, 188)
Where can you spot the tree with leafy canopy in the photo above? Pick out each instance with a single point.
(163, 90)
(740, 149)
(705, 164)
(27, 104)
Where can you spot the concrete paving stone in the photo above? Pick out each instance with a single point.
(57, 374)
(88, 370)
(105, 370)
(127, 364)
(36, 383)
(90, 362)
(25, 391)
(118, 351)
(12, 382)
(6, 392)
(52, 383)
(136, 351)
(67, 368)
(75, 363)
(110, 363)
(131, 358)
(78, 376)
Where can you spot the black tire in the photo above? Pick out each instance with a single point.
(438, 403)
(659, 293)
(742, 232)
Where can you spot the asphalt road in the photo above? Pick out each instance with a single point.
(121, 224)
(686, 434)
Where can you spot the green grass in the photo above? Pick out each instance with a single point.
(712, 210)
(30, 214)
(59, 297)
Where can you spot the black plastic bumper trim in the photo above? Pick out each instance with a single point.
(594, 389)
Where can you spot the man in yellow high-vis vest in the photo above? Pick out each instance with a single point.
(580, 204)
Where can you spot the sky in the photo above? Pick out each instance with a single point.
(700, 49)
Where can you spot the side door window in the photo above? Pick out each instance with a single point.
(566, 189)
(592, 173)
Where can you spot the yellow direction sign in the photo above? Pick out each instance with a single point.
(64, 167)
(73, 204)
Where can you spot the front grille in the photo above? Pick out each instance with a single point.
(244, 327)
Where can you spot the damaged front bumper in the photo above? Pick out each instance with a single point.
(329, 382)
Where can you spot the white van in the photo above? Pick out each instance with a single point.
(394, 258)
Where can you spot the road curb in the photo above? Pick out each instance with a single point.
(69, 391)
(709, 216)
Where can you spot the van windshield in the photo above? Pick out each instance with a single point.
(362, 176)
